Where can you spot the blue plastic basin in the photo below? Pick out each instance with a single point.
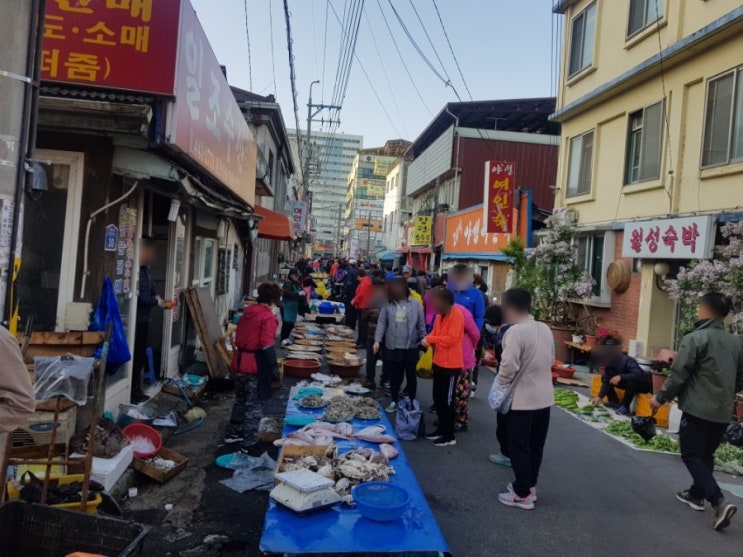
(380, 501)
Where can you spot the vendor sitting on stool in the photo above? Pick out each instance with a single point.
(620, 371)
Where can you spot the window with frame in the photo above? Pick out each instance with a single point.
(644, 144)
(723, 122)
(582, 39)
(643, 13)
(580, 165)
(595, 251)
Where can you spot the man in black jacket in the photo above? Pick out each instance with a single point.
(623, 372)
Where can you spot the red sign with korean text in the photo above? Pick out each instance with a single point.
(678, 238)
(500, 178)
(205, 122)
(117, 44)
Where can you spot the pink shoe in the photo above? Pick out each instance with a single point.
(532, 494)
(512, 500)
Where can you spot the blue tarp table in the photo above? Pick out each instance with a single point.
(341, 529)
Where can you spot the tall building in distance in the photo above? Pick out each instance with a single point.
(331, 159)
(367, 183)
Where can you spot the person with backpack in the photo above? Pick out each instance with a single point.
(402, 327)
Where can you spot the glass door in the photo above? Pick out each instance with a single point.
(176, 283)
(51, 226)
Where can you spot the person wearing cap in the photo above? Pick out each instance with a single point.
(407, 271)
(620, 371)
(290, 296)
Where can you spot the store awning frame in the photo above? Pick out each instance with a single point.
(273, 225)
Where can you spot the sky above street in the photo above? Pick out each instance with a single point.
(504, 48)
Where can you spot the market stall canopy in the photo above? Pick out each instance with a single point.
(273, 225)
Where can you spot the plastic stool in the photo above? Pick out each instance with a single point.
(149, 374)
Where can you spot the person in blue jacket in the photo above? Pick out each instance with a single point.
(461, 283)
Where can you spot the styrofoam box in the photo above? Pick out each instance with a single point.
(107, 471)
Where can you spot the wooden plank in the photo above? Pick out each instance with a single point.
(224, 352)
(211, 319)
(208, 338)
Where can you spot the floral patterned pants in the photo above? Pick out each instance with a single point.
(461, 396)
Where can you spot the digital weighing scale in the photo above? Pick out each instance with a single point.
(303, 491)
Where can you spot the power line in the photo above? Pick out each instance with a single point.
(324, 49)
(386, 77)
(433, 47)
(293, 78)
(247, 36)
(273, 57)
(420, 52)
(451, 49)
(402, 59)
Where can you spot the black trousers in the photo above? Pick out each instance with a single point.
(527, 434)
(352, 314)
(631, 389)
(372, 359)
(699, 440)
(139, 358)
(363, 331)
(501, 433)
(286, 329)
(267, 370)
(443, 397)
(399, 370)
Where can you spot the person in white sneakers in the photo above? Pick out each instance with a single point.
(528, 354)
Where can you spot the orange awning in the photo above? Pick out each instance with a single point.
(273, 225)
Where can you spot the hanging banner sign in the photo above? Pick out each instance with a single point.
(421, 235)
(500, 179)
(299, 217)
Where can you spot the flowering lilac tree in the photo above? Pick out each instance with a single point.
(552, 273)
(723, 273)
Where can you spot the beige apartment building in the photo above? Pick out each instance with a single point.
(651, 159)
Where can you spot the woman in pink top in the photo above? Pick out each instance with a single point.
(462, 386)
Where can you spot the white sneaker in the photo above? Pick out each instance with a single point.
(472, 393)
(532, 492)
(286, 342)
(391, 409)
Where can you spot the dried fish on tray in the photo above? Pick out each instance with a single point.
(312, 401)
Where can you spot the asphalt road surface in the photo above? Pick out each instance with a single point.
(596, 496)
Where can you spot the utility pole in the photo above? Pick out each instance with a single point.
(21, 27)
(337, 244)
(433, 222)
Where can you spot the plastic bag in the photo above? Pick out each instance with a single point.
(424, 367)
(251, 473)
(65, 376)
(107, 313)
(644, 427)
(500, 396)
(734, 434)
(408, 420)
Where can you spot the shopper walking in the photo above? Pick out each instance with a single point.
(350, 284)
(402, 327)
(290, 296)
(360, 301)
(705, 376)
(446, 338)
(370, 315)
(528, 354)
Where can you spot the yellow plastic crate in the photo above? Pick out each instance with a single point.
(14, 493)
(596, 388)
(643, 409)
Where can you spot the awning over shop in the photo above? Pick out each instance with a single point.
(422, 250)
(387, 255)
(273, 225)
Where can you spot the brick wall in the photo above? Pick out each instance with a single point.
(622, 316)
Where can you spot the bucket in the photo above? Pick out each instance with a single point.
(135, 414)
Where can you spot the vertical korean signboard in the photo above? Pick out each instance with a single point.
(206, 123)
(299, 217)
(117, 44)
(500, 179)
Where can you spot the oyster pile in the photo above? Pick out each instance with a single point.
(367, 409)
(312, 401)
(340, 409)
(359, 466)
(322, 464)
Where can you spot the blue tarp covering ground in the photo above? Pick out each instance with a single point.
(342, 529)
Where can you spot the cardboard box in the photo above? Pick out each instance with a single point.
(142, 465)
(270, 429)
(38, 428)
(297, 451)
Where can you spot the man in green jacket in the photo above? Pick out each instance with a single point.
(705, 376)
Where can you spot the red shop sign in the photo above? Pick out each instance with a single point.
(500, 178)
(117, 44)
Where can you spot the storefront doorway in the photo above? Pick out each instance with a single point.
(51, 226)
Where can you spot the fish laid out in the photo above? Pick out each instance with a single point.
(374, 434)
(323, 433)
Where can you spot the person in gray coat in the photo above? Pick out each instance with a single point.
(705, 376)
(402, 326)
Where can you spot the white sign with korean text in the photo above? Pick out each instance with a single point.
(681, 238)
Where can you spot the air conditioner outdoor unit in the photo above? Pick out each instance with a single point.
(565, 216)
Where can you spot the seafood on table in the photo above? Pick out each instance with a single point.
(322, 464)
(359, 466)
(367, 409)
(340, 409)
(312, 401)
(388, 451)
(317, 433)
(374, 434)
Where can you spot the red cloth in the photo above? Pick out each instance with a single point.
(363, 293)
(256, 330)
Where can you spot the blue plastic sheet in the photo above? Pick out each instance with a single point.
(342, 529)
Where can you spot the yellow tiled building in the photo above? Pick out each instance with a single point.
(651, 107)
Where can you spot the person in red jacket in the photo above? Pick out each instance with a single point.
(254, 357)
(363, 295)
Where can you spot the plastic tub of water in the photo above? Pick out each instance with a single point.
(380, 501)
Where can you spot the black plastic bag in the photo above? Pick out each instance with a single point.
(644, 427)
(734, 434)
